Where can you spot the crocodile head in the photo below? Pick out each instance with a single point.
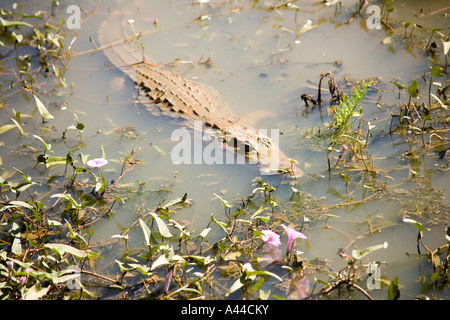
(261, 150)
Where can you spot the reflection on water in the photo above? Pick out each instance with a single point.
(258, 65)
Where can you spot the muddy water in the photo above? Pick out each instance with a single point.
(261, 67)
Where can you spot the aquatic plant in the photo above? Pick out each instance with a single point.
(347, 108)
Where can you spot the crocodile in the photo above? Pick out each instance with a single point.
(163, 91)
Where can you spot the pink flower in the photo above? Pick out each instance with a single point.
(271, 237)
(292, 235)
(97, 163)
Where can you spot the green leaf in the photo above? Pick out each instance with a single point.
(257, 212)
(54, 161)
(35, 292)
(393, 291)
(174, 202)
(447, 235)
(68, 198)
(225, 203)
(100, 185)
(161, 261)
(41, 108)
(161, 226)
(272, 202)
(201, 260)
(131, 266)
(358, 254)
(62, 249)
(398, 85)
(143, 269)
(191, 290)
(6, 127)
(146, 230)
(263, 218)
(73, 234)
(116, 198)
(47, 146)
(235, 286)
(222, 225)
(53, 223)
(205, 232)
(413, 89)
(436, 71)
(264, 273)
(18, 126)
(437, 30)
(9, 23)
(16, 247)
(21, 204)
(123, 266)
(80, 127)
(435, 277)
(62, 276)
(17, 37)
(25, 178)
(445, 46)
(418, 225)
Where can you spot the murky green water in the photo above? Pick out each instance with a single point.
(261, 68)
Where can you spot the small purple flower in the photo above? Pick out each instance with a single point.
(23, 279)
(97, 163)
(343, 151)
(271, 237)
(10, 265)
(292, 235)
(168, 281)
